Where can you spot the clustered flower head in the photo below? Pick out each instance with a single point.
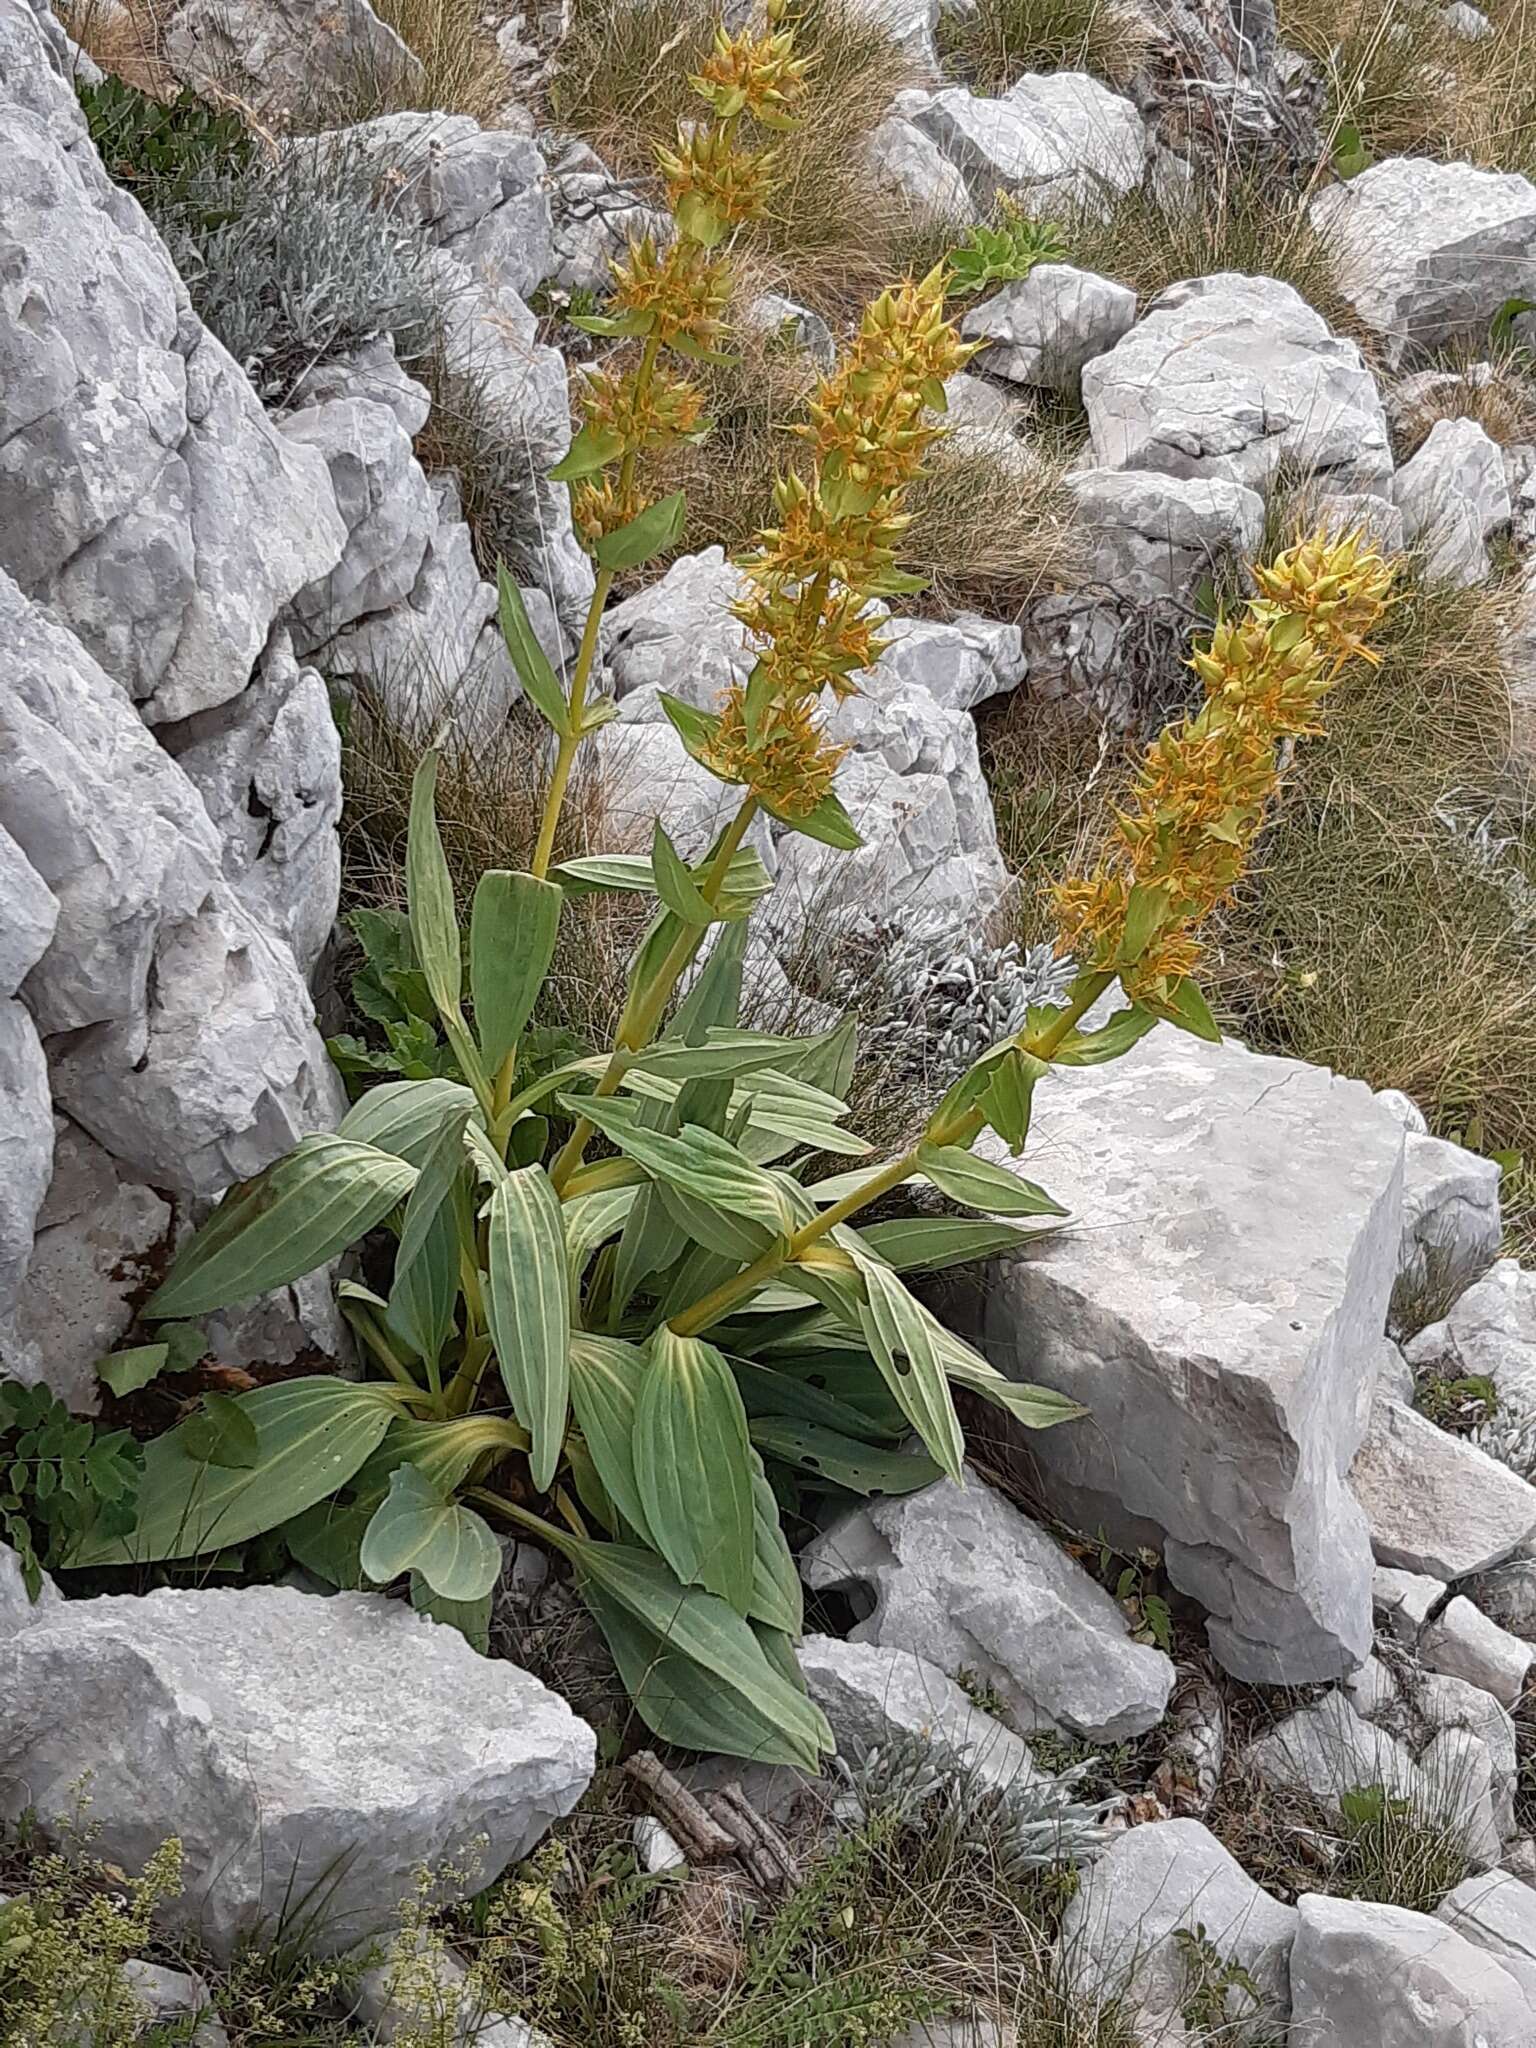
(1203, 787)
(834, 550)
(674, 296)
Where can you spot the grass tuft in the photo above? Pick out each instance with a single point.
(991, 47)
(462, 69)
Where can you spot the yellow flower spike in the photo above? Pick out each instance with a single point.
(683, 288)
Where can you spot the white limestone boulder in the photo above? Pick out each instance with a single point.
(1453, 495)
(1053, 140)
(1452, 1227)
(1043, 329)
(1217, 1305)
(302, 1749)
(1149, 535)
(1464, 1643)
(288, 57)
(911, 163)
(1429, 252)
(1496, 1912)
(956, 1575)
(1404, 1601)
(1488, 1332)
(1436, 1503)
(1230, 376)
(1366, 1973)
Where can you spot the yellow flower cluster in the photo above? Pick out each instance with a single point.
(834, 550)
(1203, 787)
(675, 297)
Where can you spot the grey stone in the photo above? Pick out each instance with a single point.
(982, 418)
(911, 162)
(1429, 252)
(1452, 1228)
(1058, 139)
(1464, 1643)
(385, 502)
(1467, 21)
(1452, 496)
(295, 57)
(100, 1238)
(958, 662)
(268, 767)
(423, 1991)
(17, 1609)
(371, 371)
(1072, 648)
(1496, 1912)
(147, 500)
(179, 1030)
(1405, 1601)
(656, 1848)
(298, 1747)
(1437, 1702)
(1118, 1933)
(1394, 1375)
(1328, 1750)
(974, 2031)
(26, 1162)
(678, 634)
(1366, 1973)
(1229, 376)
(958, 1576)
(31, 915)
(1150, 536)
(1216, 1304)
(174, 2000)
(1373, 1691)
(1489, 1331)
(1507, 1595)
(910, 25)
(776, 317)
(1344, 512)
(1436, 1503)
(1043, 329)
(874, 1695)
(595, 218)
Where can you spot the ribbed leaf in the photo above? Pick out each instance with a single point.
(513, 926)
(793, 1398)
(1034, 1407)
(440, 1168)
(424, 1298)
(472, 1618)
(981, 1184)
(658, 527)
(829, 823)
(528, 657)
(777, 1598)
(590, 1220)
(926, 1244)
(529, 1309)
(693, 1465)
(901, 1335)
(696, 1671)
(302, 1210)
(312, 1436)
(417, 1529)
(747, 881)
(842, 1460)
(696, 1160)
(429, 893)
(404, 1117)
(606, 1377)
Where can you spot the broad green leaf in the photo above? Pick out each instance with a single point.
(651, 532)
(789, 1397)
(444, 1453)
(533, 667)
(429, 894)
(326, 1540)
(698, 1161)
(981, 1184)
(606, 1377)
(902, 1338)
(776, 1595)
(675, 883)
(1185, 1006)
(636, 321)
(312, 1435)
(829, 823)
(593, 449)
(423, 1302)
(1034, 1407)
(513, 926)
(927, 1244)
(415, 1528)
(1095, 1048)
(529, 1309)
(693, 1466)
(301, 1211)
(695, 1669)
(440, 1168)
(126, 1371)
(221, 1433)
(404, 1117)
(590, 1220)
(1147, 910)
(840, 1460)
(716, 1226)
(699, 220)
(472, 1618)
(696, 729)
(747, 881)
(1008, 1098)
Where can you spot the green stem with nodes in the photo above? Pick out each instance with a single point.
(637, 1029)
(966, 1128)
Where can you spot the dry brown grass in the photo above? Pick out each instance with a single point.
(463, 72)
(991, 47)
(622, 84)
(125, 37)
(1400, 75)
(1496, 390)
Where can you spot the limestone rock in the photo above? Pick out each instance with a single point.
(910, 25)
(1366, 1973)
(1452, 1228)
(1043, 329)
(958, 1576)
(1053, 140)
(371, 371)
(1497, 1913)
(1507, 1595)
(782, 320)
(873, 1696)
(1118, 1933)
(423, 1991)
(1429, 252)
(595, 216)
(1405, 1601)
(679, 634)
(295, 57)
(1437, 1703)
(1327, 1751)
(292, 1743)
(1464, 1643)
(904, 157)
(1436, 1503)
(1357, 511)
(174, 2003)
(268, 767)
(958, 662)
(1488, 1332)
(1452, 495)
(144, 496)
(31, 915)
(1151, 536)
(180, 1033)
(26, 1162)
(1216, 1304)
(1229, 376)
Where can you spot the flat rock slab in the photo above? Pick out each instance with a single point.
(1217, 1306)
(958, 1576)
(1436, 1503)
(311, 1754)
(1370, 1976)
